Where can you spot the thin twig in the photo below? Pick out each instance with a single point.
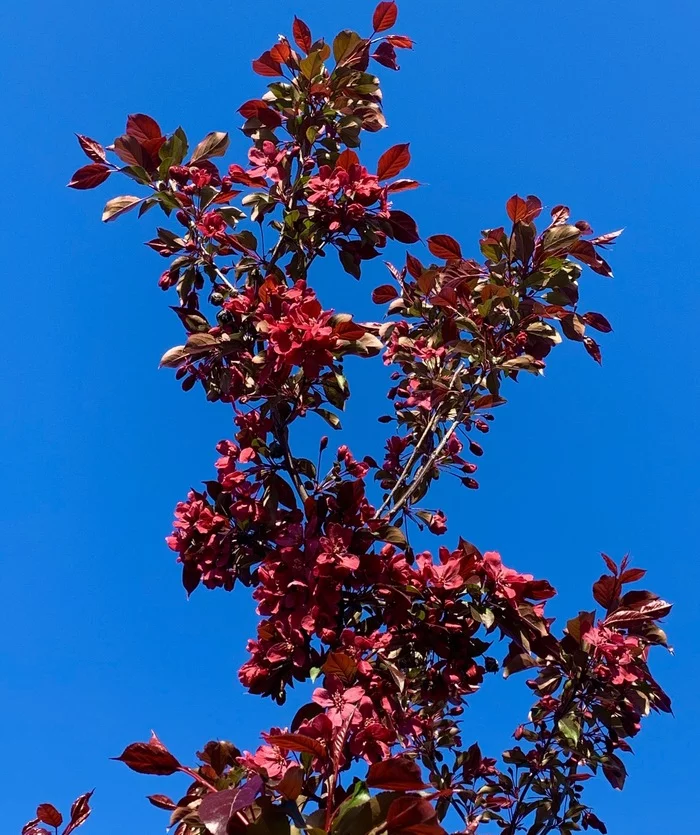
(430, 427)
(283, 438)
(425, 468)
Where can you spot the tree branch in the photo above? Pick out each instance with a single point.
(424, 470)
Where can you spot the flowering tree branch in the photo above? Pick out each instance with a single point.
(395, 642)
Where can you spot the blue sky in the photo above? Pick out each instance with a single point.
(593, 105)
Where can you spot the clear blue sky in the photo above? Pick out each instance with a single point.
(591, 104)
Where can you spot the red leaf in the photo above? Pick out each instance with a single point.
(593, 821)
(259, 109)
(597, 321)
(523, 210)
(128, 149)
(350, 331)
(152, 147)
(250, 109)
(346, 159)
(400, 41)
(412, 815)
(392, 162)
(291, 784)
(92, 149)
(444, 246)
(225, 197)
(606, 591)
(308, 711)
(79, 812)
(385, 293)
(297, 742)
(384, 16)
(403, 227)
(534, 207)
(89, 176)
(593, 349)
(560, 214)
(607, 239)
(161, 801)
(632, 575)
(219, 754)
(217, 808)
(644, 611)
(340, 665)
(49, 814)
(614, 771)
(612, 567)
(266, 65)
(402, 185)
(396, 774)
(414, 266)
(281, 52)
(302, 35)
(142, 127)
(150, 757)
(635, 598)
(385, 54)
(586, 252)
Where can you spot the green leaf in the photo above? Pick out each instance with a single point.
(214, 144)
(334, 393)
(173, 151)
(392, 534)
(358, 798)
(349, 262)
(523, 363)
(569, 729)
(165, 198)
(137, 173)
(560, 238)
(147, 204)
(193, 320)
(544, 330)
(330, 418)
(118, 206)
(311, 66)
(362, 817)
(345, 44)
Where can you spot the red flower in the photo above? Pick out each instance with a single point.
(341, 704)
(298, 330)
(324, 187)
(200, 178)
(513, 586)
(362, 186)
(211, 225)
(268, 161)
(618, 654)
(357, 469)
(268, 759)
(438, 523)
(334, 558)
